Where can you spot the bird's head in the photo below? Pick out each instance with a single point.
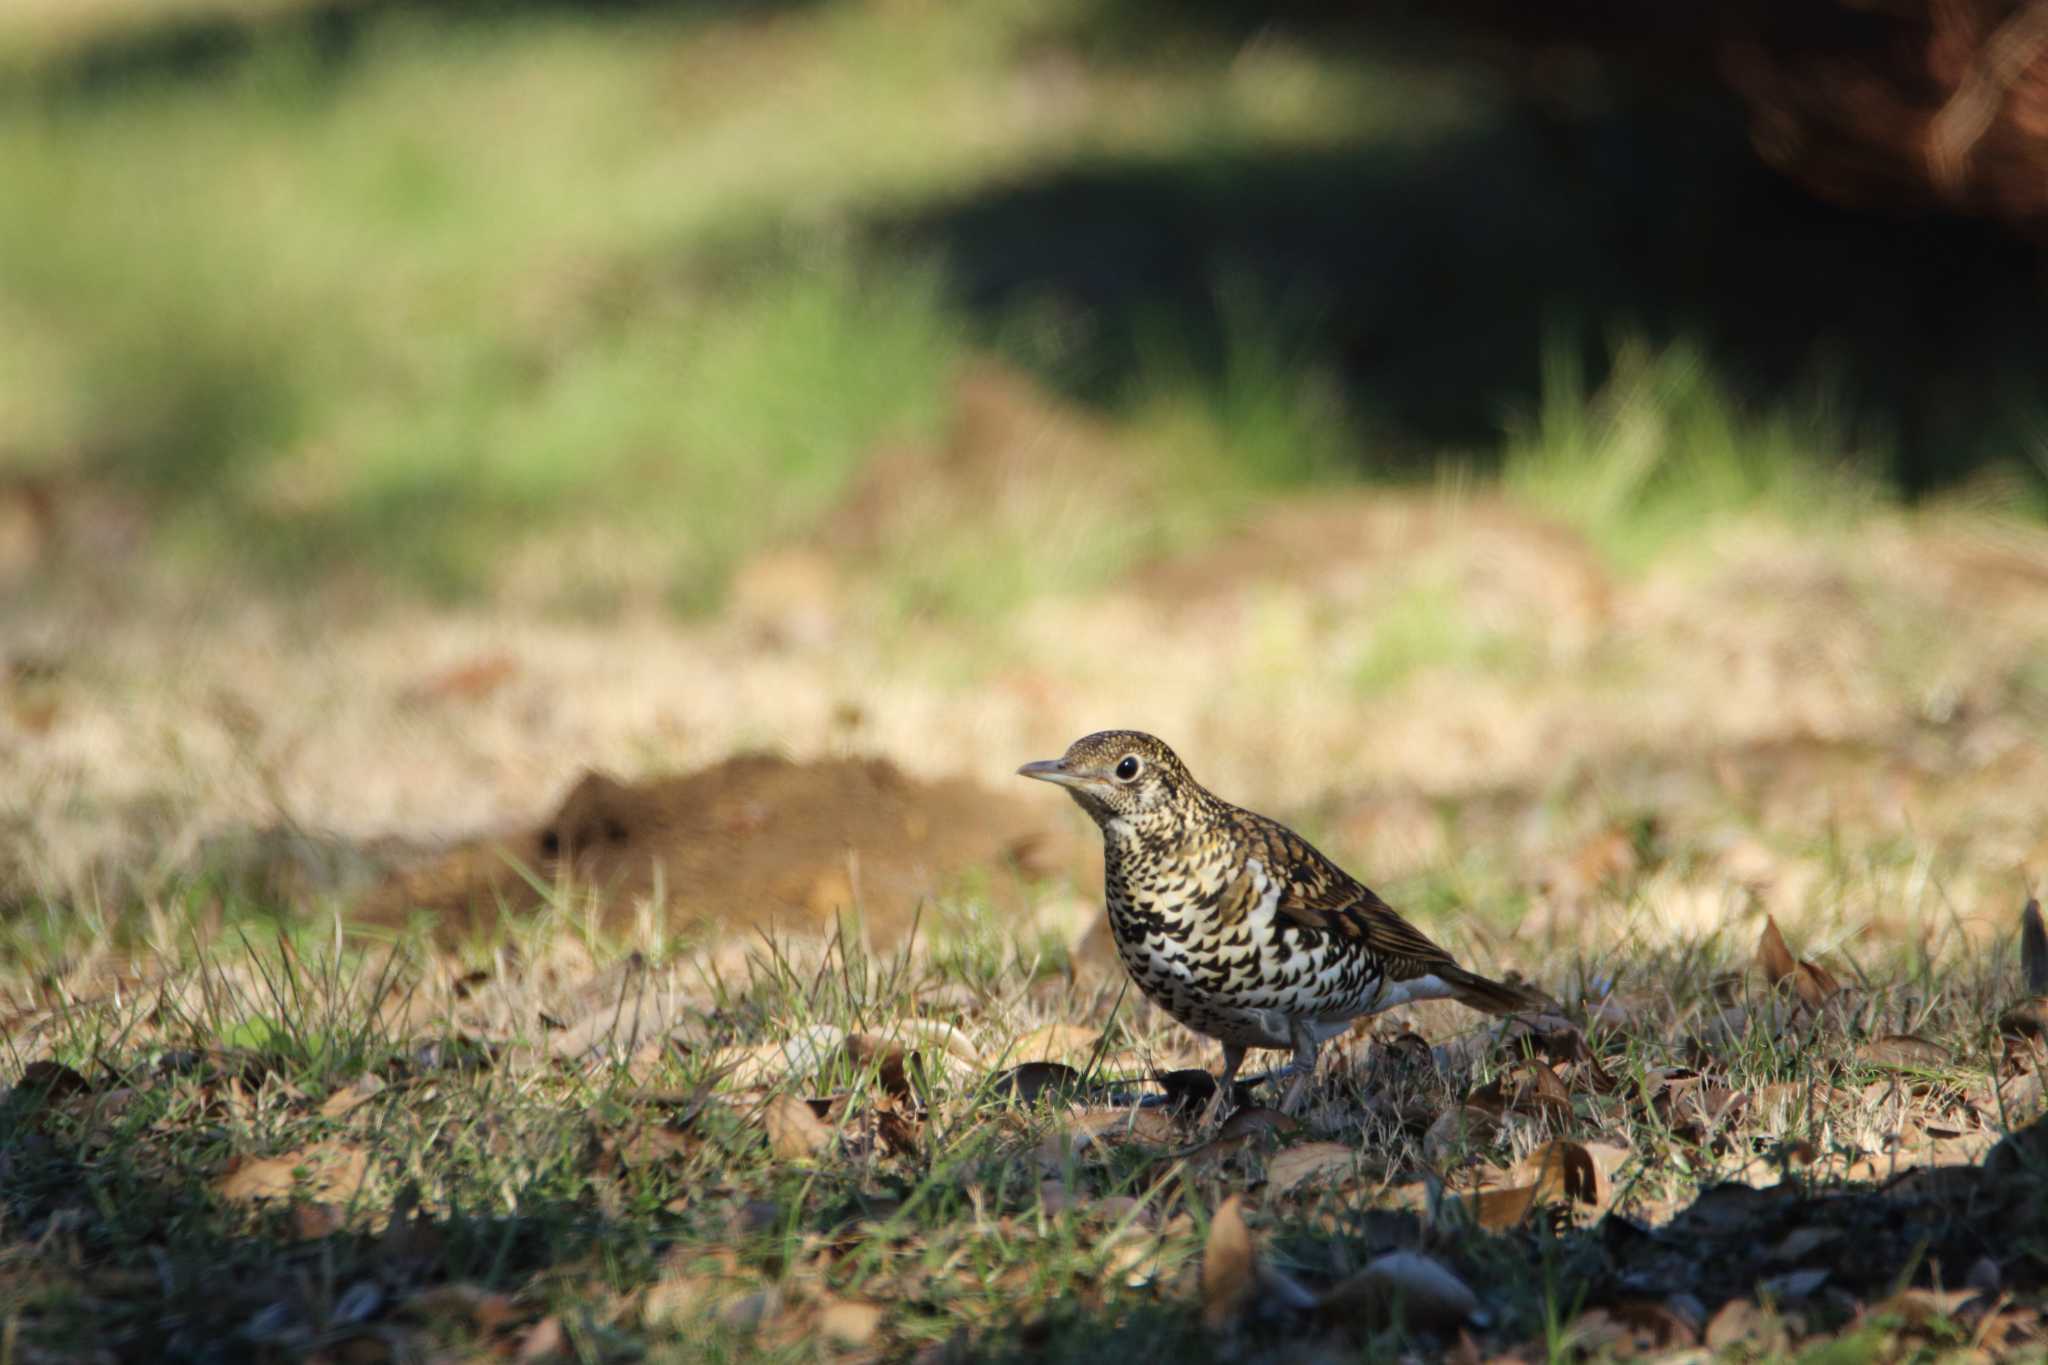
(1120, 775)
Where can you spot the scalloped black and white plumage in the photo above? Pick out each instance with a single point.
(1237, 926)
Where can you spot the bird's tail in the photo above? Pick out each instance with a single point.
(1495, 997)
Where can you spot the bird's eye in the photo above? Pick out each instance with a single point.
(1127, 769)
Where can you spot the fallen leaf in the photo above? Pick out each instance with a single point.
(1420, 1290)
(939, 1034)
(794, 1131)
(1530, 1088)
(1563, 1169)
(1495, 1210)
(1638, 1327)
(1293, 1165)
(2020, 1099)
(314, 1220)
(330, 1172)
(649, 1144)
(848, 1323)
(1745, 1323)
(1093, 1126)
(543, 1341)
(483, 1309)
(1812, 983)
(1772, 955)
(891, 1063)
(1253, 1121)
(1055, 1042)
(1918, 1307)
(351, 1095)
(1228, 1273)
(1458, 1128)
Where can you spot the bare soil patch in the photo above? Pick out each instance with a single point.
(753, 841)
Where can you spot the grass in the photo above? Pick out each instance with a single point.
(472, 289)
(1664, 450)
(371, 311)
(563, 315)
(635, 1191)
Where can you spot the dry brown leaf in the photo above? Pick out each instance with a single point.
(1229, 1274)
(1563, 1169)
(1056, 1042)
(1811, 982)
(545, 1340)
(485, 1310)
(1253, 1121)
(329, 1172)
(2019, 1099)
(1745, 1323)
(1419, 1289)
(1531, 1088)
(937, 1033)
(312, 1221)
(848, 1323)
(891, 1063)
(349, 1096)
(1293, 1165)
(794, 1130)
(1153, 1126)
(1772, 955)
(1458, 1128)
(1639, 1327)
(1495, 1210)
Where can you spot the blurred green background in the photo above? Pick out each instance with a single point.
(391, 289)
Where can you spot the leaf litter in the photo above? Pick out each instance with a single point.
(1846, 1142)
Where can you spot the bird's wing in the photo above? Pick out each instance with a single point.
(1317, 894)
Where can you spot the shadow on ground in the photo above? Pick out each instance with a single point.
(1431, 278)
(108, 1248)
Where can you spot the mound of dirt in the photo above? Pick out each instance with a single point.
(755, 841)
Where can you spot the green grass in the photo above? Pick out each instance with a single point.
(1664, 450)
(478, 285)
(480, 280)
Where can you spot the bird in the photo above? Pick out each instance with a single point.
(1238, 927)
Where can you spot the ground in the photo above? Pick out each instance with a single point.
(510, 845)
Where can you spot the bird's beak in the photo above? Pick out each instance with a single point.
(1052, 770)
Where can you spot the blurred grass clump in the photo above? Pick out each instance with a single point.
(1663, 448)
(404, 288)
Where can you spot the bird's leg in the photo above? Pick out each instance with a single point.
(1303, 1067)
(1233, 1058)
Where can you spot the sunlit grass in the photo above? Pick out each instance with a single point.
(1664, 449)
